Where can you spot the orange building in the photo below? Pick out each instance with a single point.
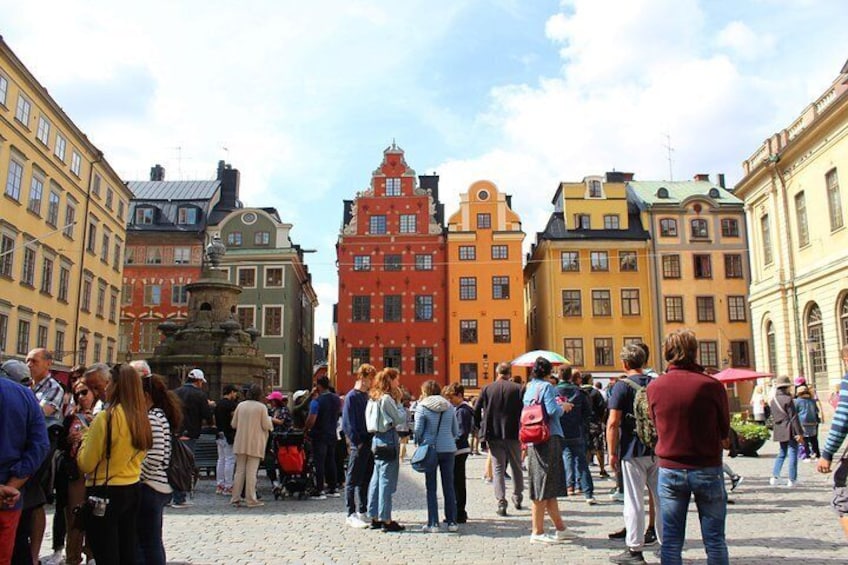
(486, 323)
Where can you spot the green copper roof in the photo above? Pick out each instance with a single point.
(651, 193)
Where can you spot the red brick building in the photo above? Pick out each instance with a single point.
(392, 309)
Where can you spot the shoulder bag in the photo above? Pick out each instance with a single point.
(426, 458)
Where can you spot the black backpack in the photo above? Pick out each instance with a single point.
(181, 471)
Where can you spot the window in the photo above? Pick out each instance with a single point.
(408, 223)
(468, 374)
(708, 353)
(570, 261)
(53, 209)
(36, 188)
(601, 303)
(500, 288)
(703, 266)
(468, 331)
(739, 356)
(771, 347)
(47, 275)
(121, 210)
(113, 306)
(599, 261)
(182, 255)
(500, 252)
(733, 266)
(582, 221)
(611, 222)
(706, 308)
(423, 308)
(91, 244)
(358, 357)
(179, 295)
(22, 111)
(671, 266)
(361, 308)
(64, 283)
(126, 294)
(105, 244)
(152, 294)
(424, 363)
(76, 163)
(393, 186)
(41, 336)
(573, 350)
(729, 227)
(144, 216)
(801, 217)
(95, 186)
(61, 145)
(391, 356)
(674, 309)
(110, 197)
(4, 329)
(603, 352)
(765, 230)
(484, 221)
(736, 309)
(116, 253)
(362, 263)
(187, 215)
(627, 261)
(815, 341)
(392, 262)
(834, 200)
(668, 227)
(392, 308)
(246, 316)
(43, 132)
(7, 256)
(700, 228)
(467, 253)
(86, 295)
(273, 321)
(23, 337)
(262, 238)
(70, 220)
(247, 277)
(273, 277)
(101, 299)
(28, 267)
(377, 225)
(150, 336)
(59, 343)
(502, 331)
(595, 190)
(468, 288)
(423, 262)
(13, 180)
(154, 256)
(4, 90)
(234, 239)
(630, 302)
(572, 303)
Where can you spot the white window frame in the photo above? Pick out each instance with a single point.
(43, 132)
(76, 163)
(182, 260)
(278, 379)
(4, 89)
(282, 277)
(16, 180)
(61, 147)
(265, 308)
(23, 109)
(408, 223)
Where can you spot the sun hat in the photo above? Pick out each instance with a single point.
(196, 375)
(800, 381)
(782, 381)
(275, 395)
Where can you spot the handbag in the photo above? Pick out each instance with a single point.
(426, 458)
(533, 426)
(384, 452)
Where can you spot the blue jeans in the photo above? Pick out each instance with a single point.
(360, 467)
(676, 486)
(792, 447)
(180, 496)
(445, 468)
(151, 551)
(577, 466)
(384, 481)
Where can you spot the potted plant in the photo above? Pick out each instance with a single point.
(751, 436)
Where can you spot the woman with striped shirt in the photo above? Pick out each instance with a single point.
(165, 414)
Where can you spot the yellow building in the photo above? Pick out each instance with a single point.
(588, 277)
(799, 241)
(62, 229)
(486, 324)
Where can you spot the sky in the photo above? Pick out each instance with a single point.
(303, 97)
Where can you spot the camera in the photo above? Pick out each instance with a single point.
(97, 505)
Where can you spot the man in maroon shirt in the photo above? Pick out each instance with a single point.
(692, 419)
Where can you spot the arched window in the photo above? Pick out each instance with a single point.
(815, 341)
(771, 347)
(843, 319)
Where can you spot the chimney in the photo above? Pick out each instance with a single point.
(721, 180)
(157, 172)
(618, 176)
(509, 201)
(702, 177)
(229, 178)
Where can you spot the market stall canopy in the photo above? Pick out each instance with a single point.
(529, 359)
(733, 375)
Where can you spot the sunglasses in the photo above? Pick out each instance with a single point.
(81, 393)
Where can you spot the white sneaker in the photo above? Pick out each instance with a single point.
(543, 538)
(790, 483)
(774, 481)
(453, 527)
(354, 521)
(54, 559)
(364, 517)
(430, 529)
(591, 501)
(563, 535)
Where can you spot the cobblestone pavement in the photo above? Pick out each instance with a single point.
(765, 525)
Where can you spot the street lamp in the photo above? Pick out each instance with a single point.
(82, 349)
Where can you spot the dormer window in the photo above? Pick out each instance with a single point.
(187, 215)
(595, 188)
(662, 192)
(144, 216)
(393, 186)
(582, 221)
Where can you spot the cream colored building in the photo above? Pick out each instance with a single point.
(798, 241)
(62, 229)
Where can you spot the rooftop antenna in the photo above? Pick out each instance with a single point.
(669, 149)
(227, 151)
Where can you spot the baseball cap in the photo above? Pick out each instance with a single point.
(16, 371)
(299, 394)
(196, 375)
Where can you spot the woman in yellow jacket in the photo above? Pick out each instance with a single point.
(110, 455)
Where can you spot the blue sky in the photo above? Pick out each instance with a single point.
(526, 94)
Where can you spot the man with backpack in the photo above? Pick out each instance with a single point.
(630, 444)
(575, 428)
(597, 422)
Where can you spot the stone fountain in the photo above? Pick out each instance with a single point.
(211, 338)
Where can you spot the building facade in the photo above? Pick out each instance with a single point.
(799, 264)
(392, 309)
(486, 323)
(587, 278)
(62, 229)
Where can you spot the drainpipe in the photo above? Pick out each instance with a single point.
(658, 305)
(83, 250)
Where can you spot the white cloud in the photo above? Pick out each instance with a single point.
(743, 41)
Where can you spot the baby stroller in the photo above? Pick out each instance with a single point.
(294, 463)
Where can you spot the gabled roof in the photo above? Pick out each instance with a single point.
(174, 190)
(678, 191)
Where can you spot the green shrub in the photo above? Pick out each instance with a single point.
(749, 430)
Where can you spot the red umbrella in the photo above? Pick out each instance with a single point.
(733, 375)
